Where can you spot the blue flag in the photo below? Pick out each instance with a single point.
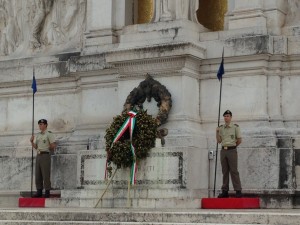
(33, 85)
(221, 68)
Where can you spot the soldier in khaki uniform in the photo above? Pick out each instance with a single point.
(43, 143)
(229, 135)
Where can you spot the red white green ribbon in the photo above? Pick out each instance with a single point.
(129, 123)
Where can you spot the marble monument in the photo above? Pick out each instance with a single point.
(89, 54)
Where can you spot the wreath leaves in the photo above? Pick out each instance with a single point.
(143, 139)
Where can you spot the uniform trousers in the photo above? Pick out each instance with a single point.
(229, 163)
(42, 171)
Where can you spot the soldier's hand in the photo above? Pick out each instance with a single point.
(31, 139)
(218, 129)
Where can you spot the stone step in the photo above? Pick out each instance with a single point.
(163, 217)
(9, 199)
(154, 203)
(134, 193)
(20, 222)
(139, 198)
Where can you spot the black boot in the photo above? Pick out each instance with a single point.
(38, 194)
(238, 194)
(47, 193)
(224, 194)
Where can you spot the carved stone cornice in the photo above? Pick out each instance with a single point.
(166, 59)
(169, 66)
(156, 51)
(153, 65)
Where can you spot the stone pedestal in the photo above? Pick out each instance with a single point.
(167, 173)
(161, 32)
(247, 14)
(104, 20)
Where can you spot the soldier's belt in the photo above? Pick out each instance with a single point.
(228, 147)
(42, 152)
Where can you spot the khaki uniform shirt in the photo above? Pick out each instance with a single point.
(43, 141)
(229, 134)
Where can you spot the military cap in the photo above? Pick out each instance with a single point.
(227, 112)
(44, 121)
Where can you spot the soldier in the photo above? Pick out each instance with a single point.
(229, 135)
(43, 143)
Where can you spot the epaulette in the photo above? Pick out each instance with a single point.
(236, 125)
(221, 126)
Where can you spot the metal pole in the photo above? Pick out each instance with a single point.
(216, 163)
(32, 130)
(32, 146)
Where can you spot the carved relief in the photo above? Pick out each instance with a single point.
(9, 28)
(68, 21)
(166, 10)
(42, 9)
(293, 16)
(35, 24)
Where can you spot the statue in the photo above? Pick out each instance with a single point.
(293, 16)
(43, 7)
(66, 22)
(166, 10)
(161, 11)
(72, 6)
(9, 34)
(185, 9)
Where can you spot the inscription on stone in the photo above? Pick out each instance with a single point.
(93, 169)
(158, 168)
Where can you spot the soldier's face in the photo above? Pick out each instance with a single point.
(42, 126)
(227, 118)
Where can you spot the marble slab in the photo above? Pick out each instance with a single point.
(159, 169)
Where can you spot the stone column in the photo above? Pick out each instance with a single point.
(247, 13)
(104, 19)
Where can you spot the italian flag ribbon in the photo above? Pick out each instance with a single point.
(129, 123)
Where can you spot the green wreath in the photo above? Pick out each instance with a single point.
(143, 140)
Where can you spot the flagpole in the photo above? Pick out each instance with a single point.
(219, 75)
(32, 146)
(32, 130)
(216, 163)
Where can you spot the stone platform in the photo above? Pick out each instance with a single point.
(125, 216)
(146, 198)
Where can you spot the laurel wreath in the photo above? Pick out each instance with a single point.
(143, 140)
(146, 128)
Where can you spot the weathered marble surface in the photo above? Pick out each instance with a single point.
(32, 26)
(165, 168)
